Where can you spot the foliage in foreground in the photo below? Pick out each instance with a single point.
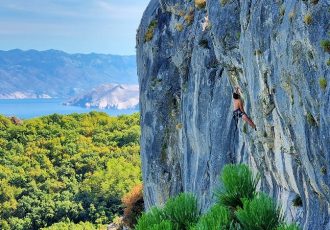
(70, 226)
(66, 168)
(238, 183)
(217, 218)
(235, 210)
(181, 212)
(259, 213)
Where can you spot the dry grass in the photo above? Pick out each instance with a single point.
(200, 4)
(189, 17)
(150, 32)
(308, 19)
(224, 2)
(133, 202)
(179, 27)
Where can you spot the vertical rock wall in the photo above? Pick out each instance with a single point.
(272, 50)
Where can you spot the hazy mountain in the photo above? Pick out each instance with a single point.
(107, 96)
(52, 73)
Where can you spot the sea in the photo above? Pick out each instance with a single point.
(31, 108)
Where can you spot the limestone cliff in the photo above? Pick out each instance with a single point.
(277, 52)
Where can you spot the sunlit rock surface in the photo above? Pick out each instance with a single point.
(272, 50)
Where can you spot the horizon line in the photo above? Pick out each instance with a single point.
(62, 51)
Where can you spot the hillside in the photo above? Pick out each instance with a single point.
(65, 170)
(118, 96)
(277, 52)
(53, 73)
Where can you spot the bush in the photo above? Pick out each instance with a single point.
(325, 44)
(288, 227)
(308, 19)
(217, 218)
(259, 213)
(323, 83)
(133, 203)
(150, 219)
(70, 225)
(150, 32)
(238, 183)
(182, 211)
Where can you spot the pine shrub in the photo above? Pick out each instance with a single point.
(182, 211)
(164, 225)
(259, 213)
(238, 183)
(149, 219)
(288, 227)
(217, 218)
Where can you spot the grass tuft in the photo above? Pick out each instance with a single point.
(325, 44)
(224, 2)
(200, 4)
(179, 27)
(308, 19)
(323, 83)
(150, 32)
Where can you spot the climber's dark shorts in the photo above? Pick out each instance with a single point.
(238, 113)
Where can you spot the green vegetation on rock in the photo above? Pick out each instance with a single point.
(150, 31)
(240, 206)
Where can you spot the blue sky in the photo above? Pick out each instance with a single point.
(74, 26)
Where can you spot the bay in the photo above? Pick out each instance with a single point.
(30, 108)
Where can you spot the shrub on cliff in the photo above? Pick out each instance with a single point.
(238, 183)
(152, 218)
(240, 207)
(259, 213)
(217, 218)
(182, 210)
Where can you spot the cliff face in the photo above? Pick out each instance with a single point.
(272, 50)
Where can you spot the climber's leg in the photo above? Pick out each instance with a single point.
(249, 121)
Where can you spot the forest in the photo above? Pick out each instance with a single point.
(67, 171)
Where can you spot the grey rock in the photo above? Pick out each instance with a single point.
(186, 81)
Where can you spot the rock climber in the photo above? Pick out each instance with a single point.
(239, 109)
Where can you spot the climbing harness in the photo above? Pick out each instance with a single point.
(236, 115)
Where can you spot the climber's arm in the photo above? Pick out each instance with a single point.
(241, 106)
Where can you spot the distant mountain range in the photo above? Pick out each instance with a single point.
(108, 96)
(53, 73)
